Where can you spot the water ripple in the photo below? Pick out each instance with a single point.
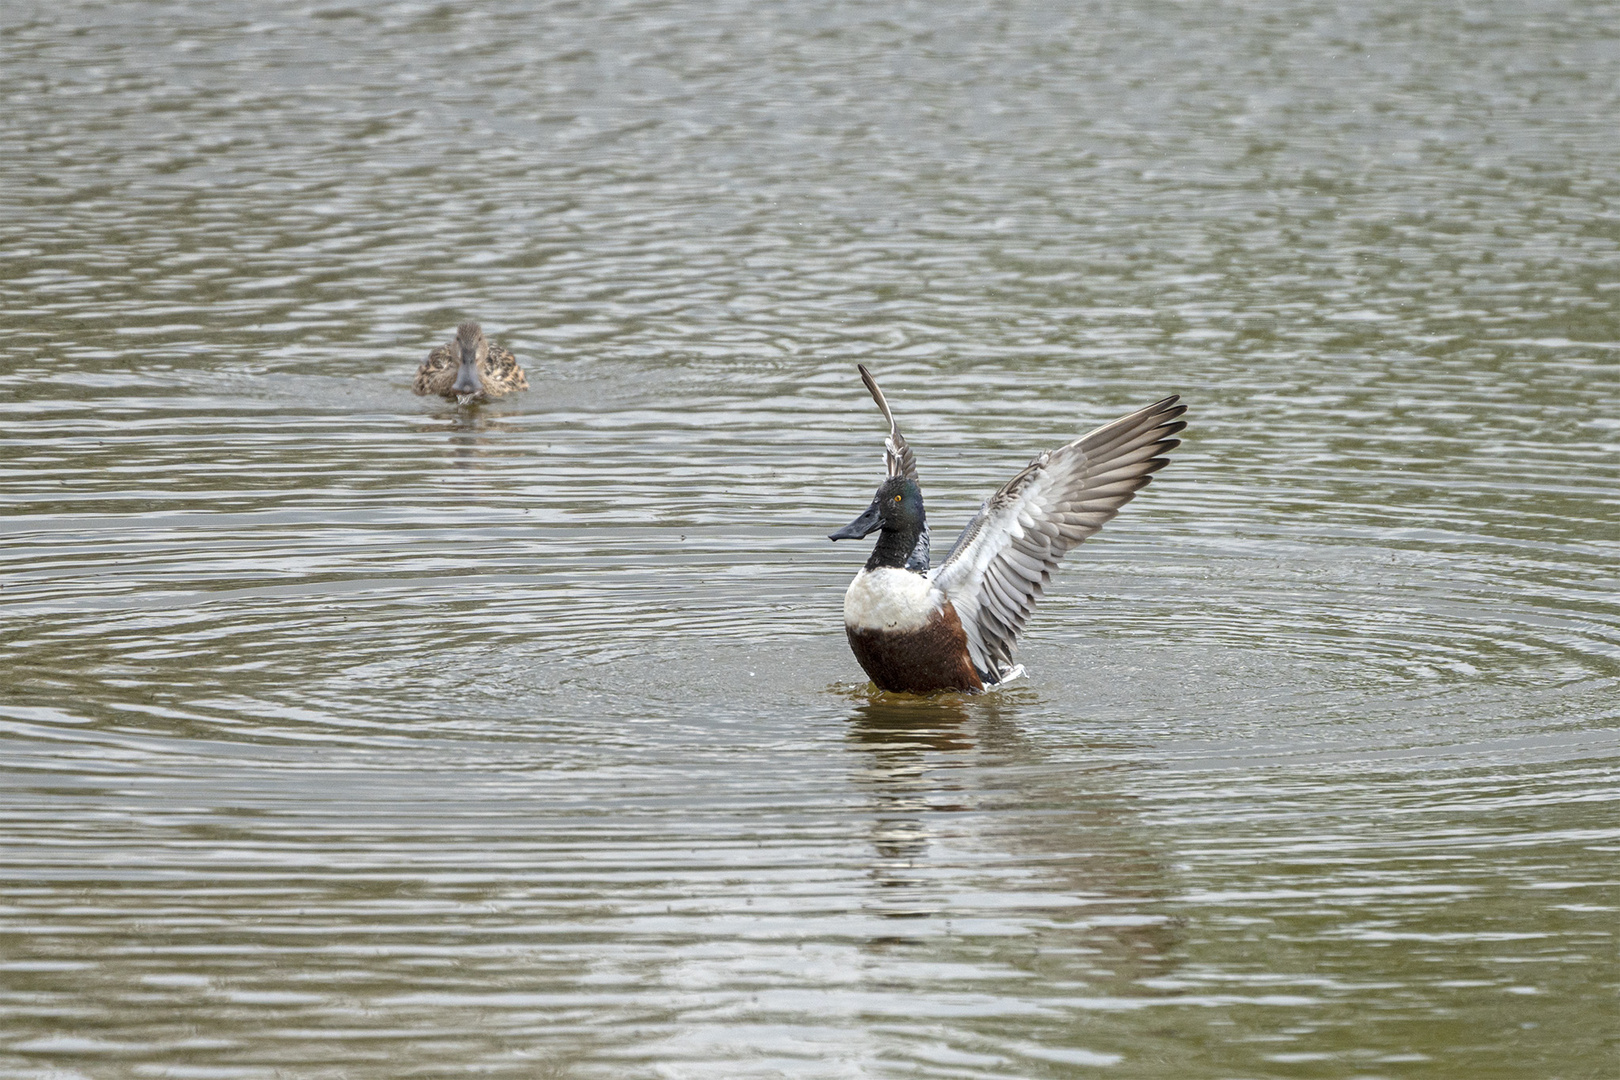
(350, 734)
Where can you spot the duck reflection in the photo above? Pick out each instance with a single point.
(975, 822)
(903, 736)
(897, 723)
(470, 430)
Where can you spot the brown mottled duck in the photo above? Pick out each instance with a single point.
(469, 369)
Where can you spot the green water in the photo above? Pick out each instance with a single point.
(346, 734)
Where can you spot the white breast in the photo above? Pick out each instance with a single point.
(890, 599)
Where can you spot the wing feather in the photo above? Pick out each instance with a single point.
(508, 372)
(897, 455)
(899, 461)
(431, 377)
(1001, 563)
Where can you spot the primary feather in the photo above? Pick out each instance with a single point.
(897, 456)
(1004, 559)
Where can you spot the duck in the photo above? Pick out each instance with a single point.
(920, 629)
(469, 368)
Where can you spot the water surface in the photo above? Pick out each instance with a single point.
(344, 733)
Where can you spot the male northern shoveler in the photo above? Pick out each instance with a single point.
(955, 627)
(469, 368)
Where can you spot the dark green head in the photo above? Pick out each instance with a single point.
(898, 511)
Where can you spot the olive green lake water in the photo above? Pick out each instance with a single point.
(349, 734)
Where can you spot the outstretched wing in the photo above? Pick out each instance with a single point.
(896, 454)
(1004, 559)
(899, 459)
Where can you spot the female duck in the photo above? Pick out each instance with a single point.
(956, 626)
(469, 369)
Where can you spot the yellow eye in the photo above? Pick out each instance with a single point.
(897, 498)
